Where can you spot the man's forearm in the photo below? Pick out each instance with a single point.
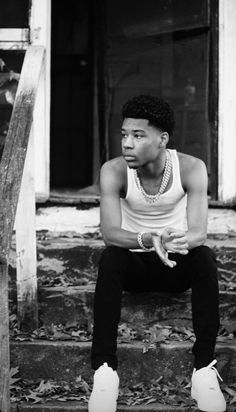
(126, 239)
(195, 238)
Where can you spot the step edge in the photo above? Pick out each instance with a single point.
(91, 288)
(79, 406)
(136, 345)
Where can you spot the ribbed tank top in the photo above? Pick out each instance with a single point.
(169, 210)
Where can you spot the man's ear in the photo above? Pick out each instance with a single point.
(164, 139)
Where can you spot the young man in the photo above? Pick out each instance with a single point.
(154, 224)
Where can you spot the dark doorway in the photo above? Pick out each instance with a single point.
(71, 95)
(103, 53)
(14, 14)
(166, 49)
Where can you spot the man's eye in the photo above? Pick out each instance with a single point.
(123, 135)
(138, 136)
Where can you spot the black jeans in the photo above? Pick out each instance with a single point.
(120, 269)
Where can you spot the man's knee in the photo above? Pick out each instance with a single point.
(114, 253)
(114, 257)
(203, 258)
(203, 253)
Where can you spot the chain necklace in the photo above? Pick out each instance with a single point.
(164, 182)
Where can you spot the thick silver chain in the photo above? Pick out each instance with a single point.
(164, 182)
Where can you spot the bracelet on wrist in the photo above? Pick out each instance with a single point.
(140, 242)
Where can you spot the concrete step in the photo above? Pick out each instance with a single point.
(63, 260)
(76, 406)
(64, 361)
(74, 305)
(73, 260)
(68, 258)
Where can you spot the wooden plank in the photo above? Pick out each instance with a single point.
(40, 35)
(227, 102)
(4, 341)
(11, 171)
(213, 101)
(14, 35)
(26, 259)
(11, 45)
(14, 39)
(12, 163)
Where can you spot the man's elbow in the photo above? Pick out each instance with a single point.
(196, 238)
(107, 237)
(107, 241)
(201, 238)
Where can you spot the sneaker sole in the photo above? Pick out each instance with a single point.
(95, 403)
(203, 407)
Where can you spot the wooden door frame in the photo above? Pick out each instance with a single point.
(222, 98)
(40, 34)
(213, 95)
(227, 102)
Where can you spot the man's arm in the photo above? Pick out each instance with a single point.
(111, 184)
(195, 183)
(194, 180)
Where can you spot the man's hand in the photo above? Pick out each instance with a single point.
(171, 240)
(161, 251)
(174, 241)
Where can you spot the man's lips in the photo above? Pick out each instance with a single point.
(129, 157)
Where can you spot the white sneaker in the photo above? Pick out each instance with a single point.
(206, 390)
(105, 390)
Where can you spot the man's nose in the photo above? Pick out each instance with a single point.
(128, 141)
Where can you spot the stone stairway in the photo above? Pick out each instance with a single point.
(67, 263)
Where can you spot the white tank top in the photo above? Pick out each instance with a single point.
(169, 210)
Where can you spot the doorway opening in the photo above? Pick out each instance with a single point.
(71, 96)
(101, 57)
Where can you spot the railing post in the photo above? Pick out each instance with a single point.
(4, 340)
(11, 171)
(26, 257)
(40, 35)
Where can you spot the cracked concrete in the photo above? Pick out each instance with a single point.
(71, 219)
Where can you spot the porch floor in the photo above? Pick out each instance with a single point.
(86, 219)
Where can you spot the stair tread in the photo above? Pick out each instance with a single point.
(73, 259)
(72, 306)
(64, 360)
(73, 406)
(135, 344)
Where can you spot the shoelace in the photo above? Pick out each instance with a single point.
(211, 366)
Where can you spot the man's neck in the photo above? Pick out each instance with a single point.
(153, 169)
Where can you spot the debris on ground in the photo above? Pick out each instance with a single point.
(175, 393)
(150, 337)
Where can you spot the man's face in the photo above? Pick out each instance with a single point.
(140, 142)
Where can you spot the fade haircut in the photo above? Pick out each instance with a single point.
(155, 110)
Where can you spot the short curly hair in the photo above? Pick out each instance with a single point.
(157, 111)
